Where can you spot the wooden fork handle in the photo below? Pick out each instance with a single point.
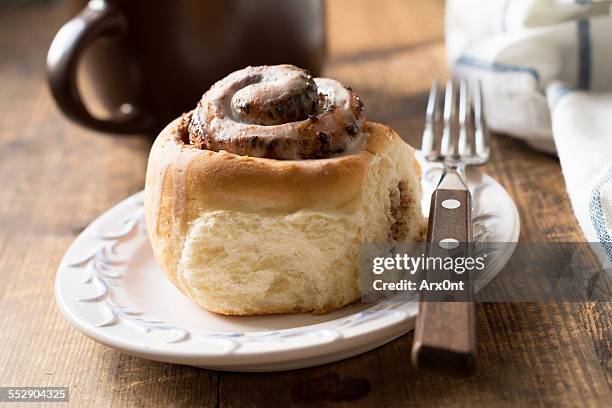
(445, 332)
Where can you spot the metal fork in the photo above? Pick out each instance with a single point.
(445, 332)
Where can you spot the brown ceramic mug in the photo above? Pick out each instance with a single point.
(150, 60)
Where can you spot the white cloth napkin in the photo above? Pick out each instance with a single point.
(546, 69)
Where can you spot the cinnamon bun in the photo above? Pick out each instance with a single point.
(258, 200)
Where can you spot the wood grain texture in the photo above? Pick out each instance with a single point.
(56, 177)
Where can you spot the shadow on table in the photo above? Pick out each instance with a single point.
(514, 350)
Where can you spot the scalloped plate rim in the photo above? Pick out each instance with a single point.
(279, 357)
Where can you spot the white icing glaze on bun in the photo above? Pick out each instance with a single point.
(278, 112)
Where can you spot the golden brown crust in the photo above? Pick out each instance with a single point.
(183, 180)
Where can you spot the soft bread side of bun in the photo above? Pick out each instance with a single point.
(246, 236)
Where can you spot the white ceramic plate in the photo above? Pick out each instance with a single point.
(111, 289)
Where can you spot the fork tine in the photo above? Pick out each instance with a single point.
(447, 147)
(465, 147)
(481, 132)
(431, 118)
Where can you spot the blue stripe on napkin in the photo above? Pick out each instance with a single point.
(496, 66)
(584, 54)
(597, 214)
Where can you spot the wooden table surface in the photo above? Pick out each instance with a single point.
(56, 177)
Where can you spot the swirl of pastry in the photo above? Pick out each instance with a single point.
(278, 112)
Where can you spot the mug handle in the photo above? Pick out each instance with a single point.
(97, 19)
